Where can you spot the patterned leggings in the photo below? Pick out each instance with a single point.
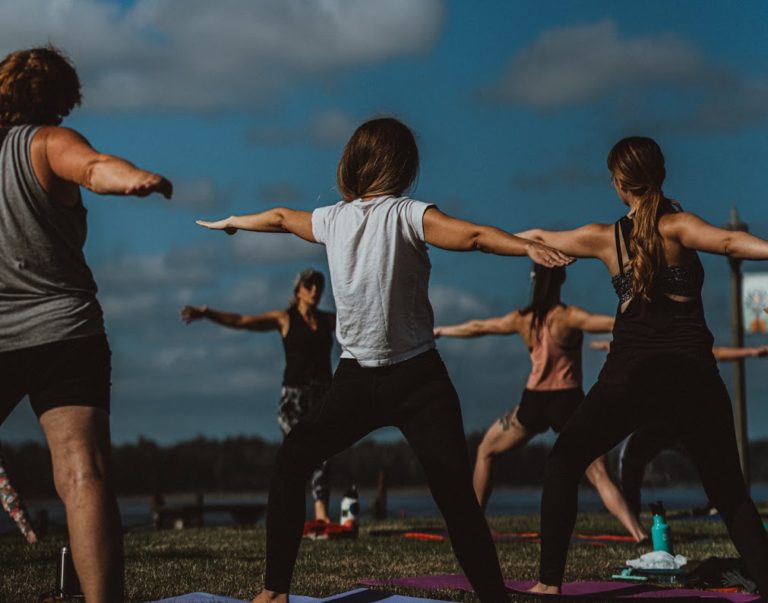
(295, 404)
(12, 503)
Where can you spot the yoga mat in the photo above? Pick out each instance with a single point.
(359, 595)
(441, 535)
(602, 590)
(208, 598)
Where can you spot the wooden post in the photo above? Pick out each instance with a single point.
(739, 373)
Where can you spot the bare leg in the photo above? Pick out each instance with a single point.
(505, 434)
(78, 437)
(321, 511)
(612, 498)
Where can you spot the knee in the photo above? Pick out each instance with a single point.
(78, 476)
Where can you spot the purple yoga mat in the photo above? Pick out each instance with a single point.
(609, 590)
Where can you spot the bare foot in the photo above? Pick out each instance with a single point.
(31, 537)
(544, 589)
(268, 596)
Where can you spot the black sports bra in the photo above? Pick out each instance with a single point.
(685, 281)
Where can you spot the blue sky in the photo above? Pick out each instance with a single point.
(246, 105)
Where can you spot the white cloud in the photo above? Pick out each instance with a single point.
(451, 302)
(332, 127)
(202, 55)
(271, 247)
(328, 128)
(578, 63)
(177, 268)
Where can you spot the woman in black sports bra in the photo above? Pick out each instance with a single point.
(660, 366)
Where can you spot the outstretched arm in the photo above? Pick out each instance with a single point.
(67, 155)
(589, 241)
(449, 233)
(276, 320)
(503, 325)
(578, 318)
(278, 219)
(722, 354)
(694, 233)
(725, 354)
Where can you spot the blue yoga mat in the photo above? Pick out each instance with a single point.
(360, 595)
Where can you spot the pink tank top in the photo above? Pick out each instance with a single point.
(553, 367)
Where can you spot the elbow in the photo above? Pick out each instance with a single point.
(279, 219)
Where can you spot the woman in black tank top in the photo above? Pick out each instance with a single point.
(660, 363)
(307, 341)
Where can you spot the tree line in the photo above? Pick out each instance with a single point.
(241, 464)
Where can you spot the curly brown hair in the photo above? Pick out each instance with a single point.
(37, 86)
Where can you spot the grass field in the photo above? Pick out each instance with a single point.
(230, 561)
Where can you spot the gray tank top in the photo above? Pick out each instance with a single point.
(47, 291)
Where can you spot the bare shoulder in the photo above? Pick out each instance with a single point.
(672, 222)
(59, 135)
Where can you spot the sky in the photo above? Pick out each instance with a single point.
(247, 105)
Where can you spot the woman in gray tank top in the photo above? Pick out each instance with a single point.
(52, 343)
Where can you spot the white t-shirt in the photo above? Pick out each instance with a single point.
(380, 275)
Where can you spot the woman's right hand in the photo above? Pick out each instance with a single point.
(192, 313)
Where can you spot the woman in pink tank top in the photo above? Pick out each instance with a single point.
(553, 333)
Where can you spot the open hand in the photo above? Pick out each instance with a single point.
(218, 225)
(547, 256)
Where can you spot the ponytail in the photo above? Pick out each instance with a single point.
(645, 242)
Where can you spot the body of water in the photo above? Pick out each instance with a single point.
(415, 503)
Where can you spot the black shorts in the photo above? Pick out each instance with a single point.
(540, 410)
(71, 372)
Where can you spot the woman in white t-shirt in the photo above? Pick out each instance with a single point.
(390, 373)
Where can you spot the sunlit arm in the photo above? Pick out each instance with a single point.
(589, 241)
(694, 233)
(71, 158)
(278, 219)
(502, 325)
(449, 233)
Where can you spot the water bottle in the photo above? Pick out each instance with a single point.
(350, 508)
(660, 535)
(67, 583)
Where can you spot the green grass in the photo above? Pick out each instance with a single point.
(230, 561)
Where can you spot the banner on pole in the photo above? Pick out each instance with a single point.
(754, 296)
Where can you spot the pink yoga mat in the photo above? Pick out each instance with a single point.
(607, 590)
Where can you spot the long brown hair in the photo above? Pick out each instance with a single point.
(637, 164)
(37, 86)
(545, 294)
(381, 158)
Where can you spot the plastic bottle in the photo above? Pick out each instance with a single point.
(660, 535)
(67, 584)
(350, 508)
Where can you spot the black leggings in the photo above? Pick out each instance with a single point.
(417, 397)
(638, 451)
(689, 397)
